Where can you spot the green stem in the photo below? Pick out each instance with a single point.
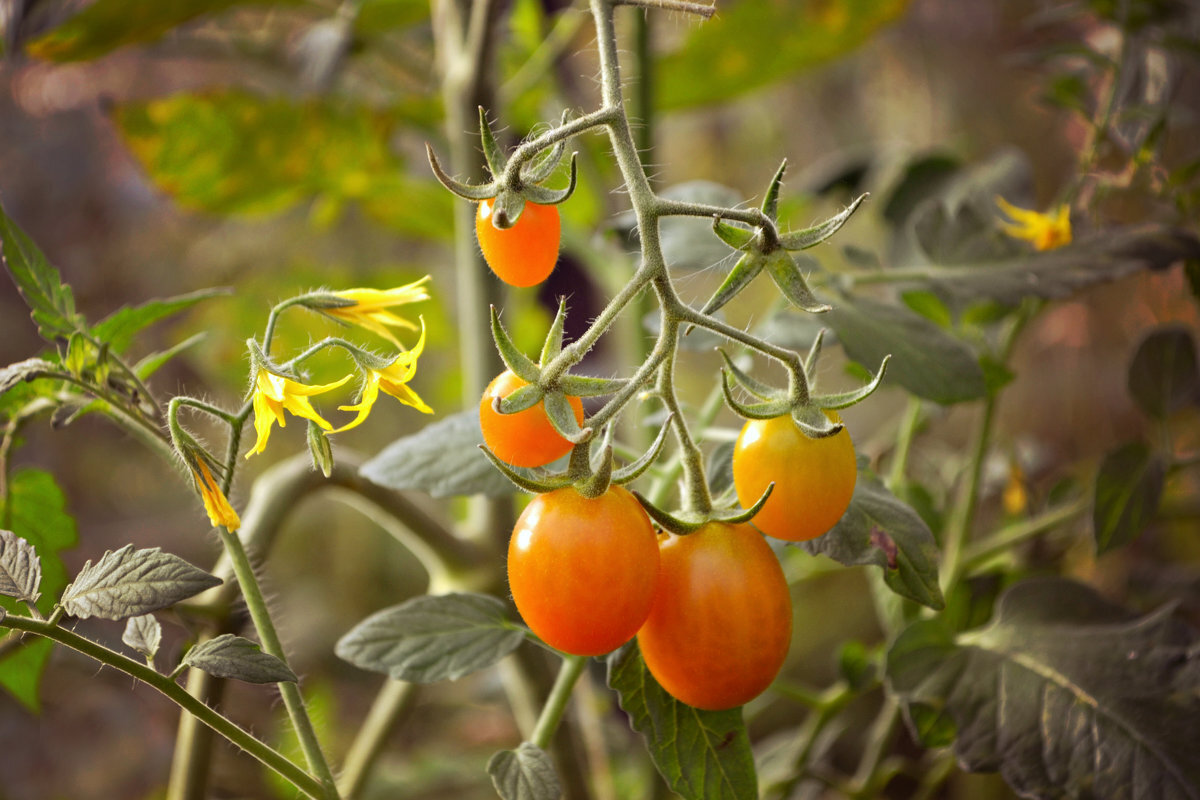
(699, 9)
(293, 701)
(1005, 538)
(878, 742)
(270, 757)
(904, 439)
(556, 703)
(392, 702)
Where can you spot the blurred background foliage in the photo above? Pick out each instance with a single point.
(157, 148)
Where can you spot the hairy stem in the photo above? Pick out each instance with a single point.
(556, 703)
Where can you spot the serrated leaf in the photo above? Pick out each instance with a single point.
(443, 459)
(526, 773)
(143, 634)
(20, 568)
(432, 638)
(36, 511)
(229, 656)
(702, 755)
(127, 582)
(51, 302)
(1064, 694)
(1128, 488)
(1163, 376)
(119, 328)
(879, 529)
(926, 360)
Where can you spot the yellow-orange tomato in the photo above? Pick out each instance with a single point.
(526, 438)
(583, 571)
(524, 254)
(814, 478)
(721, 622)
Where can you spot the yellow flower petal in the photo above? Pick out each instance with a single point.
(370, 308)
(370, 394)
(220, 512)
(274, 394)
(1045, 231)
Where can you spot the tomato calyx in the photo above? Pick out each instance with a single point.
(684, 522)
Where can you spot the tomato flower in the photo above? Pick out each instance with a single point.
(370, 307)
(220, 512)
(391, 379)
(274, 394)
(1046, 231)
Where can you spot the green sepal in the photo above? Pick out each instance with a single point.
(847, 399)
(634, 471)
(752, 385)
(260, 360)
(320, 301)
(770, 204)
(562, 417)
(538, 485)
(520, 399)
(740, 515)
(319, 449)
(521, 365)
(537, 171)
(464, 190)
(76, 358)
(588, 386)
(491, 149)
(669, 522)
(812, 421)
(554, 338)
(744, 271)
(814, 354)
(787, 276)
(735, 237)
(552, 197)
(809, 237)
(767, 410)
(507, 208)
(600, 479)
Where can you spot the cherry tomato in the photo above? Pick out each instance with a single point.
(526, 438)
(523, 255)
(721, 622)
(583, 571)
(814, 478)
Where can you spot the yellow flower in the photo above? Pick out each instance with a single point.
(370, 309)
(393, 380)
(215, 502)
(1046, 231)
(274, 394)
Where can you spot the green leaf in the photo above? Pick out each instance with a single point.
(106, 25)
(36, 511)
(1128, 488)
(51, 302)
(443, 459)
(879, 529)
(143, 634)
(923, 177)
(151, 363)
(725, 57)
(119, 328)
(526, 773)
(1064, 694)
(432, 638)
(926, 360)
(229, 656)
(1163, 376)
(703, 755)
(128, 582)
(20, 569)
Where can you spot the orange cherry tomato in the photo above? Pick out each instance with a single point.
(526, 438)
(721, 622)
(524, 254)
(814, 478)
(583, 571)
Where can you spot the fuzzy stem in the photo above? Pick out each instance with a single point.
(393, 700)
(556, 703)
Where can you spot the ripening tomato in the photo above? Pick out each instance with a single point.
(523, 255)
(583, 571)
(814, 478)
(721, 622)
(526, 438)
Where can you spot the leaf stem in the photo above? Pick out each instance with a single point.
(556, 703)
(393, 700)
(1005, 538)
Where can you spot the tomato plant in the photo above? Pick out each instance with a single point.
(524, 254)
(814, 478)
(583, 571)
(526, 438)
(721, 622)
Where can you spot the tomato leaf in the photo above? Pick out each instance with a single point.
(119, 328)
(20, 569)
(127, 583)
(1163, 376)
(703, 755)
(1128, 488)
(143, 634)
(432, 638)
(51, 302)
(879, 529)
(926, 360)
(1063, 693)
(229, 656)
(524, 774)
